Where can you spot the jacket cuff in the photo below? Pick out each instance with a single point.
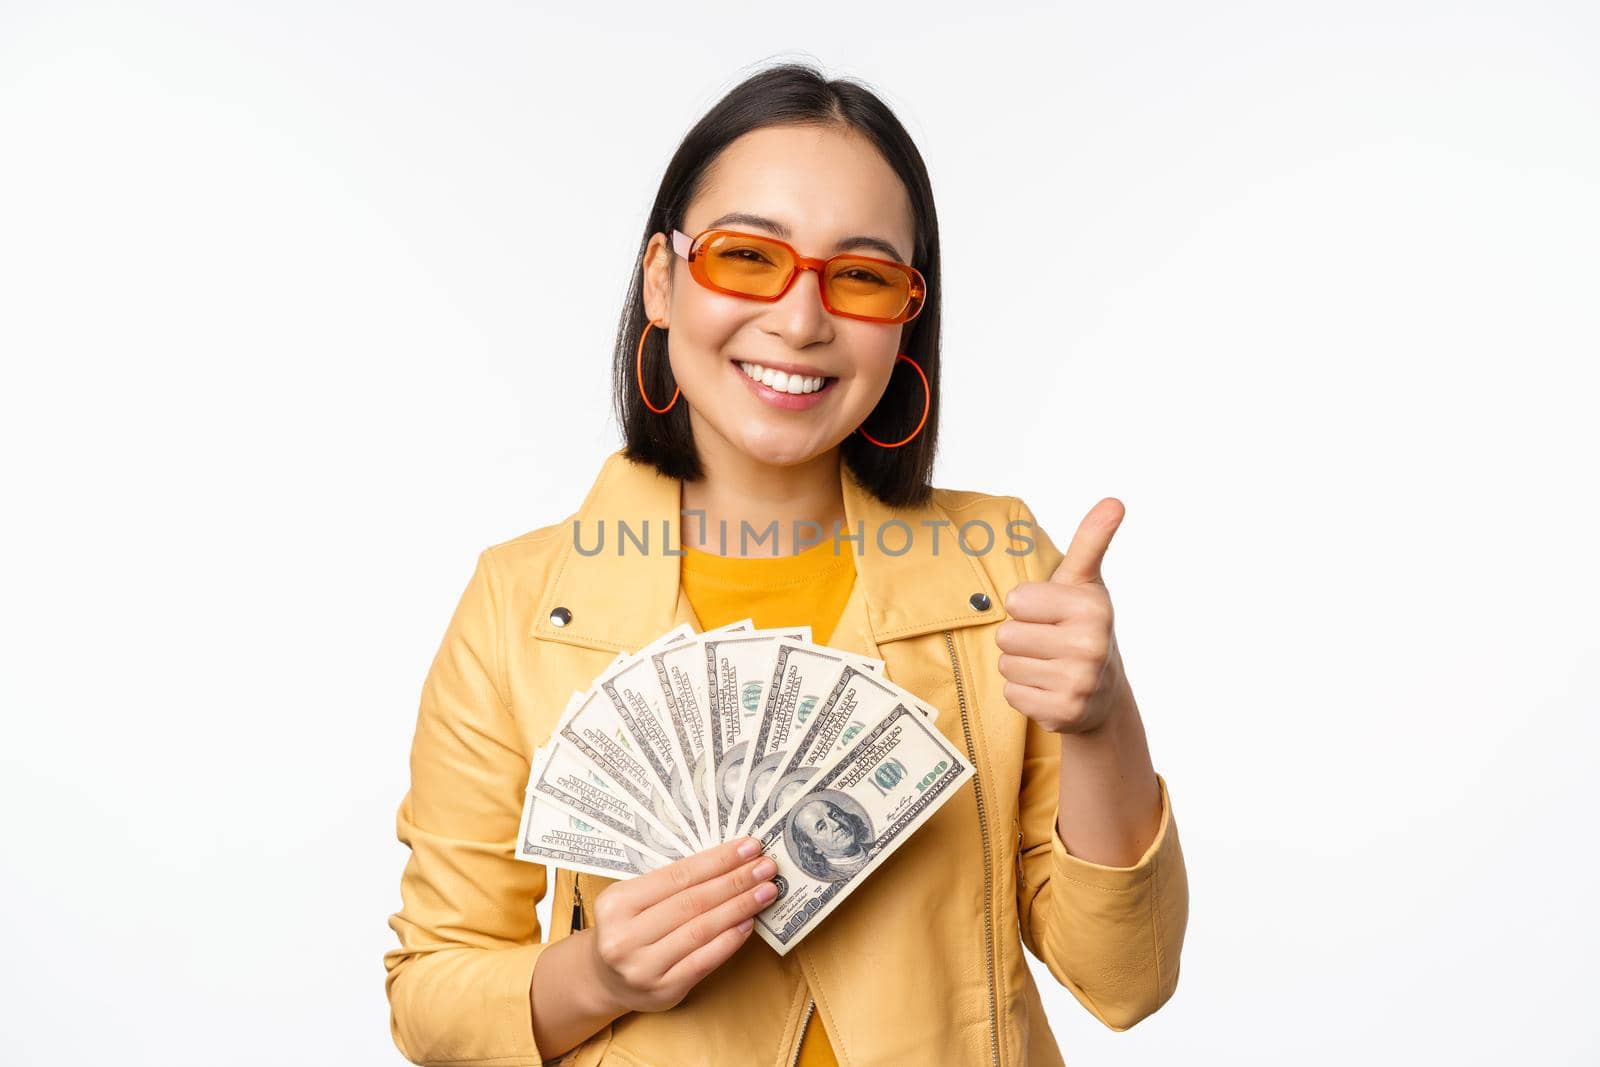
(1068, 867)
(516, 972)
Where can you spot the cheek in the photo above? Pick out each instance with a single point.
(873, 366)
(703, 329)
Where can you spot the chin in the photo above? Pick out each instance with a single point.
(780, 448)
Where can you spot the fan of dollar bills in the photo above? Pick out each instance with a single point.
(698, 738)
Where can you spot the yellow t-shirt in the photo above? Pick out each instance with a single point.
(808, 588)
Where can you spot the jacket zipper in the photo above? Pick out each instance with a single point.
(577, 903)
(811, 1006)
(988, 872)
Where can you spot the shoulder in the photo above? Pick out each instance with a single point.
(1020, 551)
(974, 502)
(533, 544)
(527, 561)
(973, 505)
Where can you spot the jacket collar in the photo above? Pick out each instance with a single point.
(623, 600)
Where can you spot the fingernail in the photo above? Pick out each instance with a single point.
(765, 869)
(748, 848)
(745, 926)
(766, 891)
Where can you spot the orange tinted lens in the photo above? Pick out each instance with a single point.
(747, 264)
(871, 289)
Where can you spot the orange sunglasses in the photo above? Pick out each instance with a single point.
(758, 267)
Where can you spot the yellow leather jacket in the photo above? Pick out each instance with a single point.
(923, 963)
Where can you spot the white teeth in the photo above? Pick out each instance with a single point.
(783, 383)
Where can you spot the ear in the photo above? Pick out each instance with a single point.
(657, 279)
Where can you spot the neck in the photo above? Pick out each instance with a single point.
(804, 499)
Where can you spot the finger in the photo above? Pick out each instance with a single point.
(1087, 551)
(1050, 603)
(1041, 602)
(702, 961)
(708, 925)
(652, 888)
(1036, 673)
(1041, 705)
(1037, 639)
(1074, 679)
(661, 919)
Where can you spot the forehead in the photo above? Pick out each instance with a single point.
(823, 183)
(813, 807)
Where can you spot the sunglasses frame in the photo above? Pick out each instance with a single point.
(693, 250)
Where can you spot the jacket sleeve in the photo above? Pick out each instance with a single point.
(1111, 935)
(469, 937)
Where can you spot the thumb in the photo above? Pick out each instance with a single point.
(1081, 564)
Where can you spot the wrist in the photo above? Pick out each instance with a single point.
(1111, 723)
(594, 993)
(1118, 707)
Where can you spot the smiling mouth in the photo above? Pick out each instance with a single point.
(777, 380)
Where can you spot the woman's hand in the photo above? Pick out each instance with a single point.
(656, 936)
(1058, 652)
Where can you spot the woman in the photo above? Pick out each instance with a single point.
(762, 390)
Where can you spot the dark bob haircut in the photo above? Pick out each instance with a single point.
(791, 94)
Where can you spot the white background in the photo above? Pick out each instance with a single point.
(302, 305)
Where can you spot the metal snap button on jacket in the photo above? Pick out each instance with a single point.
(979, 601)
(560, 617)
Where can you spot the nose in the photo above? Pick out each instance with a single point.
(799, 317)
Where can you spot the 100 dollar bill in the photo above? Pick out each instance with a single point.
(852, 816)
(803, 675)
(562, 775)
(554, 835)
(859, 698)
(738, 669)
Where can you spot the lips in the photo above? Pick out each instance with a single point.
(800, 391)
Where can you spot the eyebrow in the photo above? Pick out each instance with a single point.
(778, 229)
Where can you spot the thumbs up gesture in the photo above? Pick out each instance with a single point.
(1058, 652)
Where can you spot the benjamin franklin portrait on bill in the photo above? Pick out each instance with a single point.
(829, 836)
